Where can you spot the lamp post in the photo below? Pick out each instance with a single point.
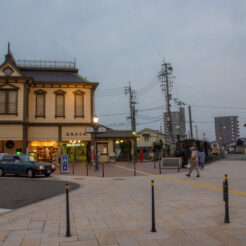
(93, 130)
(95, 127)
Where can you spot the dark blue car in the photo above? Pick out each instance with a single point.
(22, 165)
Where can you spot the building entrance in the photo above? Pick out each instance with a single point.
(75, 151)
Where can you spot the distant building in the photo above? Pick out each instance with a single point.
(226, 129)
(147, 137)
(178, 124)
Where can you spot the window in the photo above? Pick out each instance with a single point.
(102, 148)
(79, 103)
(60, 103)
(40, 103)
(146, 137)
(8, 101)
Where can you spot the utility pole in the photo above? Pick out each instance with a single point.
(166, 84)
(191, 132)
(221, 138)
(181, 119)
(132, 103)
(196, 131)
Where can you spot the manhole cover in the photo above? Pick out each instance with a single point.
(119, 179)
(78, 178)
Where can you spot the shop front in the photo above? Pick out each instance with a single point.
(44, 151)
(77, 151)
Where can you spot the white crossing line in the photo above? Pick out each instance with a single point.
(3, 210)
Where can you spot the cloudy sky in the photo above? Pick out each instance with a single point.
(117, 41)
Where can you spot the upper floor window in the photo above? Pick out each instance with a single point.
(8, 101)
(60, 103)
(40, 103)
(146, 137)
(79, 103)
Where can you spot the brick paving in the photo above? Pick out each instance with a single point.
(111, 170)
(117, 211)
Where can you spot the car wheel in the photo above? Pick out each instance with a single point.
(47, 174)
(1, 172)
(30, 173)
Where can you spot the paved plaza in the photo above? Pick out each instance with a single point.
(117, 211)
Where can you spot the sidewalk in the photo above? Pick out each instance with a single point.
(111, 169)
(117, 211)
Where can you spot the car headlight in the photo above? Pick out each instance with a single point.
(40, 168)
(53, 166)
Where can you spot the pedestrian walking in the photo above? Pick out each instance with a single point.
(201, 155)
(193, 162)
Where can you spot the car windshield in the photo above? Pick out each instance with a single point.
(25, 158)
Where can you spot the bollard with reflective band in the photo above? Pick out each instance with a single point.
(153, 205)
(68, 234)
(87, 169)
(134, 164)
(159, 167)
(226, 199)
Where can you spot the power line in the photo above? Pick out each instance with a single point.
(107, 115)
(145, 28)
(149, 122)
(219, 107)
(147, 86)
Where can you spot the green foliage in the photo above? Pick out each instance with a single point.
(239, 142)
(158, 145)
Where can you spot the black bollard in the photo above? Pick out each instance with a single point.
(226, 199)
(153, 206)
(103, 169)
(73, 168)
(134, 163)
(154, 164)
(68, 234)
(159, 167)
(87, 169)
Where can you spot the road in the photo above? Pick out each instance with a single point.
(17, 192)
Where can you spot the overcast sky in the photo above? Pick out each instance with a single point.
(117, 41)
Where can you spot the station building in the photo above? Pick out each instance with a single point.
(45, 108)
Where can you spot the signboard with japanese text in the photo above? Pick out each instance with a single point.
(64, 163)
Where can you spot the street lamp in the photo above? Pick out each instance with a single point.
(93, 130)
(95, 126)
(95, 119)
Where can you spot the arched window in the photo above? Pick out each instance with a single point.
(60, 103)
(40, 103)
(78, 103)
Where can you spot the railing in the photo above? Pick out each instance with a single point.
(46, 64)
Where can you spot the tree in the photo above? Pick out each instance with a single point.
(239, 142)
(157, 147)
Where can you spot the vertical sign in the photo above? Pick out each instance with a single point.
(64, 163)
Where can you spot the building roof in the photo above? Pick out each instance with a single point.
(53, 76)
(151, 130)
(43, 71)
(115, 134)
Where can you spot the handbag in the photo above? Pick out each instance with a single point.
(188, 165)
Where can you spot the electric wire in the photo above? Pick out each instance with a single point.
(145, 28)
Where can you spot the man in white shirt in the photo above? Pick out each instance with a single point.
(193, 162)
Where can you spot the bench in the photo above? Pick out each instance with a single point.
(171, 163)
